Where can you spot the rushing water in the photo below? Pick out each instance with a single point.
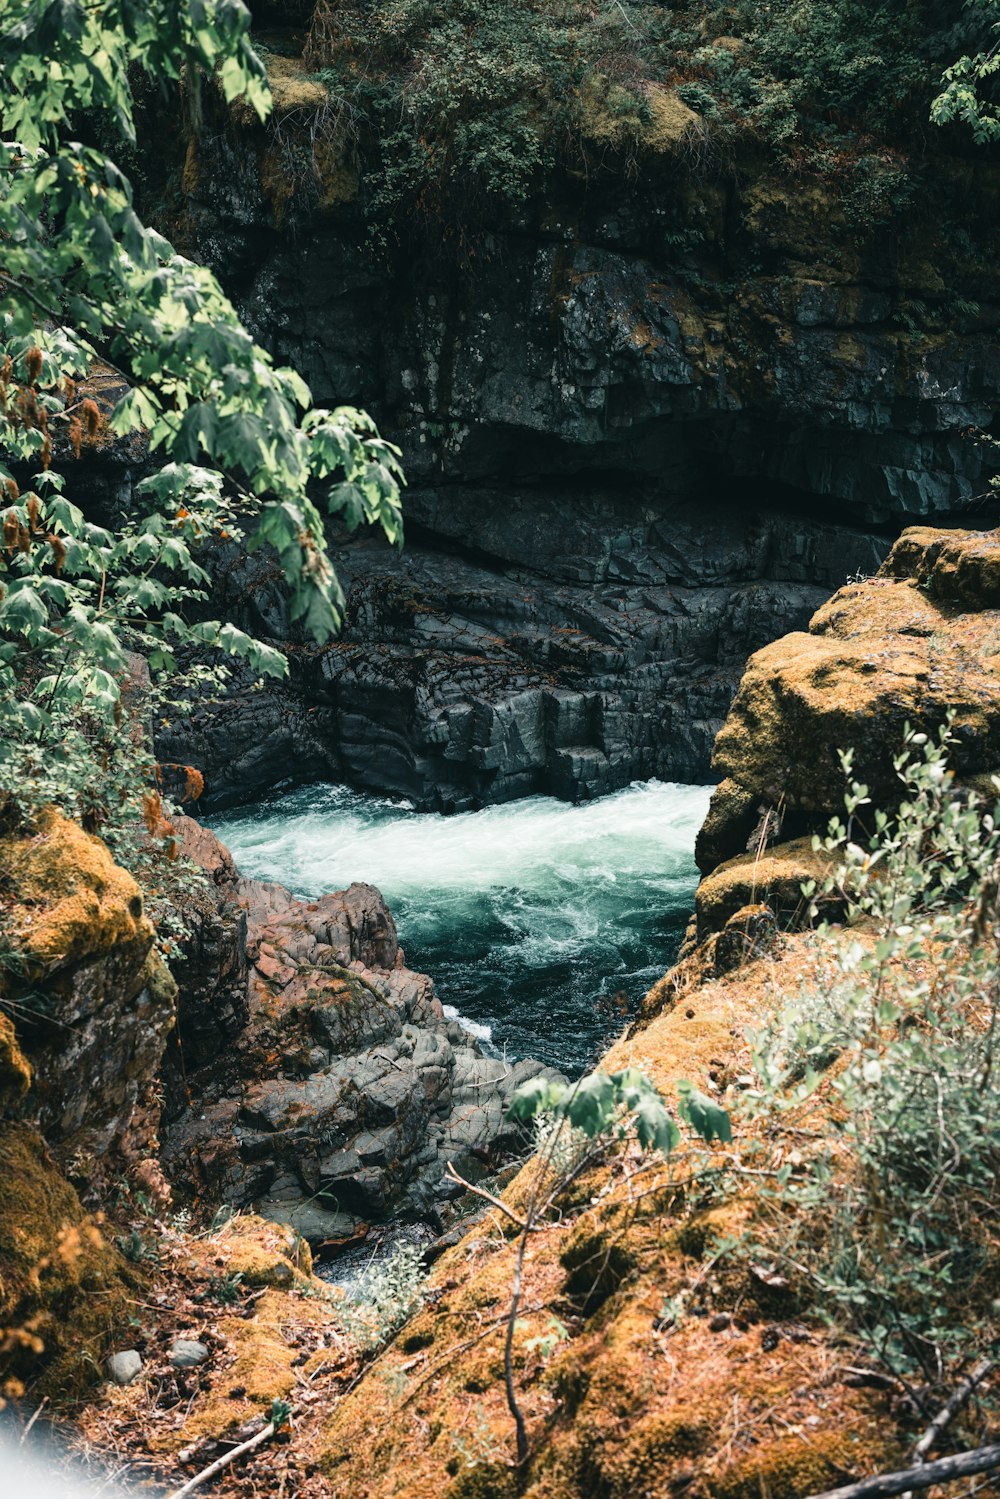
(542, 923)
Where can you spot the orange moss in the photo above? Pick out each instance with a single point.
(774, 877)
(63, 1289)
(261, 1252)
(15, 1071)
(69, 900)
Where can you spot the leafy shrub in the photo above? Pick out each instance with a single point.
(465, 107)
(898, 1032)
(385, 1296)
(85, 285)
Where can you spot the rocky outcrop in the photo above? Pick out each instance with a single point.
(92, 1002)
(319, 1078)
(647, 427)
(916, 644)
(85, 1005)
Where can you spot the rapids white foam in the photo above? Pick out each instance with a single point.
(527, 915)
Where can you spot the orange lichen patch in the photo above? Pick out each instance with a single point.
(15, 1071)
(68, 899)
(960, 566)
(260, 1252)
(912, 645)
(63, 1289)
(774, 877)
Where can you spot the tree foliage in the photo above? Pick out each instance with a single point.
(85, 285)
(965, 96)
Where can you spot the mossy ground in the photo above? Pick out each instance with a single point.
(65, 1293)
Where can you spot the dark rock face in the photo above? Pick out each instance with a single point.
(600, 644)
(634, 457)
(337, 1089)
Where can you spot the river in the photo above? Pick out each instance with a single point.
(542, 923)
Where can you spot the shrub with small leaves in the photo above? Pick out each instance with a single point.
(896, 1035)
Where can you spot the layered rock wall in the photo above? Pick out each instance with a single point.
(636, 453)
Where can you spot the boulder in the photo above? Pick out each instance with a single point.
(913, 645)
(346, 1091)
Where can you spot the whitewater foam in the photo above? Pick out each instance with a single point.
(533, 917)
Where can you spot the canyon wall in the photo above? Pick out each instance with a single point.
(649, 424)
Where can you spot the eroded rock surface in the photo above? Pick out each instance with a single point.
(569, 646)
(915, 644)
(335, 1089)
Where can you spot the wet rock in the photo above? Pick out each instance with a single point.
(626, 470)
(581, 646)
(346, 1091)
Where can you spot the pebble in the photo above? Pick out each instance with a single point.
(187, 1353)
(124, 1367)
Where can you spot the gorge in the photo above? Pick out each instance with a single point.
(487, 884)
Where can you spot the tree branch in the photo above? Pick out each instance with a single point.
(486, 1196)
(945, 1470)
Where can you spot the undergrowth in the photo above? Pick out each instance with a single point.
(879, 1085)
(459, 107)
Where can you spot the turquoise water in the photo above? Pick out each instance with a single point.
(542, 923)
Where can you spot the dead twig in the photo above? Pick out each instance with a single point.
(34, 1417)
(486, 1196)
(945, 1470)
(948, 1412)
(251, 1445)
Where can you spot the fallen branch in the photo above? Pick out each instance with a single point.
(945, 1470)
(262, 1436)
(947, 1414)
(486, 1196)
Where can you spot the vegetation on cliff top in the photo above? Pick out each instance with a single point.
(457, 106)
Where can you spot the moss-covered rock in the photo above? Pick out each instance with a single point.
(15, 1071)
(774, 878)
(66, 898)
(91, 999)
(916, 643)
(64, 1290)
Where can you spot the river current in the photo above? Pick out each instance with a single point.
(542, 923)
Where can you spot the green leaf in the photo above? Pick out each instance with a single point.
(703, 1114)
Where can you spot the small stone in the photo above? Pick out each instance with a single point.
(188, 1353)
(124, 1367)
(719, 1322)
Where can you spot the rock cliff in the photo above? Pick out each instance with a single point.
(648, 425)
